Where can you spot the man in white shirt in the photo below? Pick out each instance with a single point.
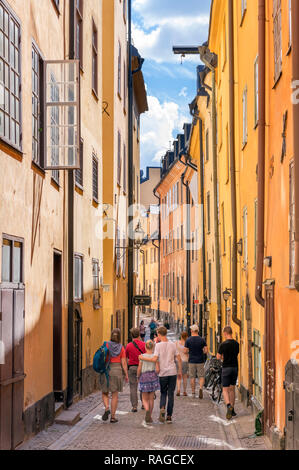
(166, 354)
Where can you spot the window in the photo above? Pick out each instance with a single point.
(245, 127)
(277, 31)
(209, 211)
(79, 32)
(56, 3)
(192, 244)
(79, 172)
(94, 58)
(210, 281)
(125, 170)
(255, 231)
(12, 260)
(178, 289)
(78, 278)
(96, 283)
(178, 239)
(37, 108)
(257, 361)
(243, 8)
(119, 159)
(10, 79)
(119, 70)
(182, 236)
(124, 255)
(223, 229)
(245, 237)
(54, 127)
(292, 226)
(207, 145)
(256, 91)
(182, 290)
(125, 86)
(125, 9)
(95, 178)
(290, 23)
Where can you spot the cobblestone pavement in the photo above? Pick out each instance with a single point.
(197, 424)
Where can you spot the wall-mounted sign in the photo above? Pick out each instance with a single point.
(143, 300)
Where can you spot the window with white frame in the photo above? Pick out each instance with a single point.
(245, 125)
(78, 278)
(96, 283)
(256, 91)
(245, 236)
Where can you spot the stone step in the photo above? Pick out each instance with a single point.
(68, 417)
(59, 406)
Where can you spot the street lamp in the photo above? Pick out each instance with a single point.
(226, 295)
(139, 236)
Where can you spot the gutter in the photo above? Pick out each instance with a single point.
(261, 152)
(295, 63)
(235, 318)
(188, 254)
(159, 252)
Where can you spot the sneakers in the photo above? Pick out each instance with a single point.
(134, 410)
(169, 419)
(229, 413)
(162, 416)
(234, 413)
(200, 396)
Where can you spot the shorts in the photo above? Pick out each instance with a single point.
(184, 368)
(196, 370)
(229, 376)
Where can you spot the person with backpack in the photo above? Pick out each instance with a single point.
(111, 379)
(133, 351)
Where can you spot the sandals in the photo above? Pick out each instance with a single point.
(178, 394)
(185, 394)
(162, 416)
(113, 420)
(106, 415)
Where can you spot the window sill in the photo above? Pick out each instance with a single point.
(95, 202)
(244, 145)
(291, 288)
(55, 184)
(289, 50)
(277, 81)
(36, 167)
(79, 189)
(78, 301)
(11, 149)
(95, 95)
(243, 16)
(56, 8)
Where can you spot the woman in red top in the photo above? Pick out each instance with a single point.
(118, 367)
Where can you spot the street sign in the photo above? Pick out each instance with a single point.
(142, 300)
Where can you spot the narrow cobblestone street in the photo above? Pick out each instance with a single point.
(197, 425)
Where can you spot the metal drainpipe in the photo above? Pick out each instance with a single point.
(235, 318)
(130, 172)
(70, 358)
(261, 153)
(204, 276)
(215, 190)
(159, 252)
(188, 263)
(295, 63)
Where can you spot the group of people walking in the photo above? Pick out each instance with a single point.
(163, 365)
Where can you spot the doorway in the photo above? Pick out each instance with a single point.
(12, 331)
(291, 386)
(57, 325)
(269, 357)
(77, 335)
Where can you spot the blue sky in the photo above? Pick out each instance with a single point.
(157, 26)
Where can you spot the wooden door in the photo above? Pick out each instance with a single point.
(57, 323)
(12, 369)
(77, 335)
(269, 358)
(291, 386)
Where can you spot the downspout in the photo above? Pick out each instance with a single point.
(70, 363)
(235, 318)
(159, 253)
(188, 257)
(130, 172)
(261, 153)
(295, 78)
(204, 275)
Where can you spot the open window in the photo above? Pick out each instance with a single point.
(62, 115)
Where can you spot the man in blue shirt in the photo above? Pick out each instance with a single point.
(197, 348)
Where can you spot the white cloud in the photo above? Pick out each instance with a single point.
(159, 127)
(183, 92)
